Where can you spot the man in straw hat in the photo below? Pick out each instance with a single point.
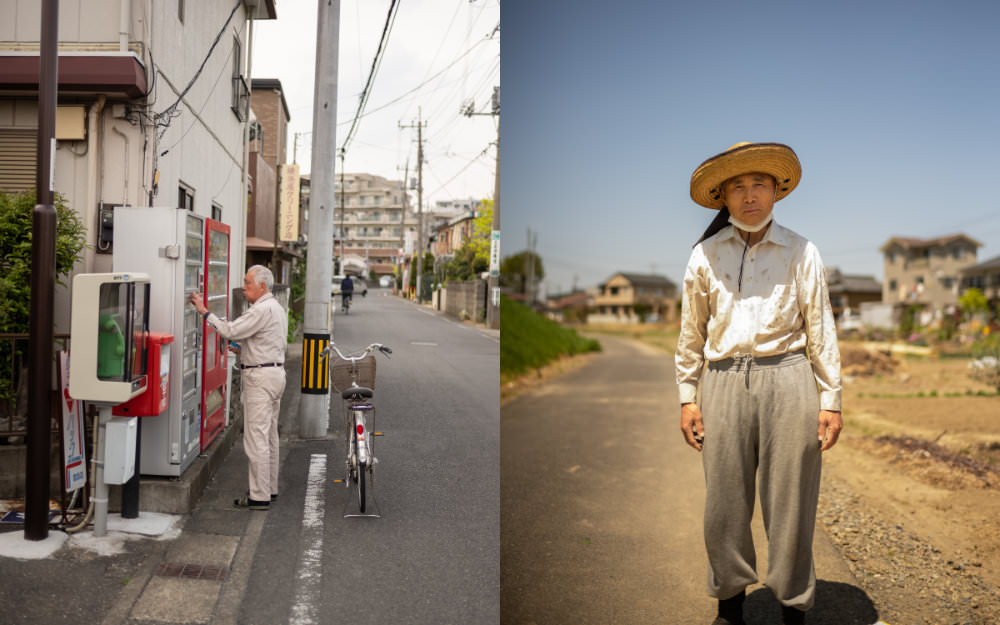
(758, 339)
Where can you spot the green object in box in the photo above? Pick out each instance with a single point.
(110, 348)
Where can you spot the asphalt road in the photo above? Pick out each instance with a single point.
(601, 507)
(433, 557)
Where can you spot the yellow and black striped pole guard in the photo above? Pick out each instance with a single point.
(315, 364)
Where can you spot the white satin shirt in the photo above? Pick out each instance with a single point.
(780, 304)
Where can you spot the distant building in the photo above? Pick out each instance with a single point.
(850, 291)
(630, 297)
(986, 277)
(372, 224)
(926, 271)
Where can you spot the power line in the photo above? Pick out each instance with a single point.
(390, 19)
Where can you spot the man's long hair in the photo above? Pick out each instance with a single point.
(721, 221)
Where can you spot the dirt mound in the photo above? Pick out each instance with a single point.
(857, 361)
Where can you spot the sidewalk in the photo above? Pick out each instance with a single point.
(163, 568)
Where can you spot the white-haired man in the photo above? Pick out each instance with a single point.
(261, 333)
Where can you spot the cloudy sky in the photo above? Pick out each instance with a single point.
(891, 106)
(440, 54)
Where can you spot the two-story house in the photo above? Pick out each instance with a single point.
(150, 114)
(926, 271)
(628, 297)
(986, 277)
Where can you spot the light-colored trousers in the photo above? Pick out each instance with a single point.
(262, 389)
(760, 418)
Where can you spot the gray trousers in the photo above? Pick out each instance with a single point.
(760, 419)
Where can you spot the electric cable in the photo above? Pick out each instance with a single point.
(390, 20)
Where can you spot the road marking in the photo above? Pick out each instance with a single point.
(424, 343)
(310, 570)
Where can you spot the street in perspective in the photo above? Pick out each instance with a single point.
(431, 556)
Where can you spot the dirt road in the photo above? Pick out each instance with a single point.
(601, 507)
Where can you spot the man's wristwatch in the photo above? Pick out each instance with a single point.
(205, 315)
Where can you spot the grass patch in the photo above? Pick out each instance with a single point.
(530, 341)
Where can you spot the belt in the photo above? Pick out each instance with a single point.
(266, 364)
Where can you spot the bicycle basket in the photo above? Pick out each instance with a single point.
(343, 372)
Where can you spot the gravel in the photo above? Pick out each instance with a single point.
(910, 581)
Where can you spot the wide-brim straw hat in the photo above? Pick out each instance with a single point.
(775, 159)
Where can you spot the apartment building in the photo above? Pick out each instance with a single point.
(926, 271)
(138, 124)
(373, 224)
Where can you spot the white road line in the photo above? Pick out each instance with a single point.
(310, 570)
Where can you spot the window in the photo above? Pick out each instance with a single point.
(216, 212)
(185, 197)
(613, 290)
(920, 280)
(241, 93)
(893, 285)
(956, 253)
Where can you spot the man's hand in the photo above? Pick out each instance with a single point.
(691, 425)
(830, 426)
(196, 300)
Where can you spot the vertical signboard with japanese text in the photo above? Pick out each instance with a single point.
(288, 190)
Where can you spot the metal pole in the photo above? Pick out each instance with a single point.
(493, 296)
(43, 280)
(315, 404)
(420, 208)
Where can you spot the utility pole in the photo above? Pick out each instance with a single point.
(315, 403)
(343, 153)
(493, 286)
(402, 221)
(420, 202)
(43, 281)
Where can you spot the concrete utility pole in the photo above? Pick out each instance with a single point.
(43, 281)
(315, 404)
(420, 201)
(493, 286)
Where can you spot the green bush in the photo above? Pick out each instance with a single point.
(530, 340)
(15, 254)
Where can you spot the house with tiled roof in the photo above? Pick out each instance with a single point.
(849, 291)
(926, 272)
(986, 277)
(634, 297)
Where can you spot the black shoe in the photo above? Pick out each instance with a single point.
(274, 498)
(792, 616)
(731, 610)
(251, 504)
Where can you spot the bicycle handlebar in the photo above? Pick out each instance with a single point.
(360, 354)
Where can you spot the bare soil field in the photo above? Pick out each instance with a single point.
(919, 458)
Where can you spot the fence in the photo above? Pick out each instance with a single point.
(466, 299)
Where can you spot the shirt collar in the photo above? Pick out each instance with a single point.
(775, 234)
(263, 297)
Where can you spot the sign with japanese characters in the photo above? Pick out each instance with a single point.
(74, 456)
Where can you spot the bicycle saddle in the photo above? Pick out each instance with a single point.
(357, 391)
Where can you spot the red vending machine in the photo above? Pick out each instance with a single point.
(214, 357)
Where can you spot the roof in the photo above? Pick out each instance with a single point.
(275, 84)
(986, 265)
(913, 243)
(643, 279)
(840, 282)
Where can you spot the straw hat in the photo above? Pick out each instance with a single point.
(776, 159)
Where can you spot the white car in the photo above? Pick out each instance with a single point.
(385, 282)
(360, 287)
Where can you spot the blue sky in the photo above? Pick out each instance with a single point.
(892, 107)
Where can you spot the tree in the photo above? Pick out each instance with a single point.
(514, 270)
(473, 258)
(15, 254)
(973, 301)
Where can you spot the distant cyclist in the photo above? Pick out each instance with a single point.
(346, 291)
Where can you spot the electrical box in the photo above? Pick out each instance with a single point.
(109, 328)
(119, 449)
(156, 397)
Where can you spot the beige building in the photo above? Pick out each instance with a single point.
(372, 224)
(926, 271)
(986, 277)
(630, 297)
(138, 125)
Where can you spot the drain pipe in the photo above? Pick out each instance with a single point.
(124, 137)
(124, 22)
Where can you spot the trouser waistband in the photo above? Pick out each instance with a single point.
(745, 362)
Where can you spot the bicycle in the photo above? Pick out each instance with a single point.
(345, 303)
(353, 376)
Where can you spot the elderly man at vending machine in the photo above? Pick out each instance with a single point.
(262, 336)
